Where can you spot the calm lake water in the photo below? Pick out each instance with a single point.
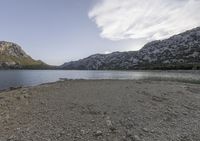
(16, 78)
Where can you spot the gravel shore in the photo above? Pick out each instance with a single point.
(102, 110)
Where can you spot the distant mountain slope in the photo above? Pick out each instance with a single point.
(116, 60)
(178, 52)
(13, 57)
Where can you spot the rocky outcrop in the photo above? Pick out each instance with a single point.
(13, 57)
(178, 52)
(11, 49)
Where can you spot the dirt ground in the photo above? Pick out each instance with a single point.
(102, 110)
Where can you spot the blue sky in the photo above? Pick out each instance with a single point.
(57, 31)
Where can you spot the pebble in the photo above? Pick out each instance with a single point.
(83, 132)
(145, 129)
(109, 124)
(185, 113)
(137, 138)
(98, 133)
(11, 138)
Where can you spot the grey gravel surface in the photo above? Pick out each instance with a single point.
(102, 110)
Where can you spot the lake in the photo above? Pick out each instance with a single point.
(16, 78)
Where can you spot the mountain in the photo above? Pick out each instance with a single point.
(13, 57)
(181, 51)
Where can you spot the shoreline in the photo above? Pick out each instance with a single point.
(66, 79)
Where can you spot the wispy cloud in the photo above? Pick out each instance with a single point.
(145, 19)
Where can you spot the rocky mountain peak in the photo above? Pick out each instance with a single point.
(12, 56)
(11, 49)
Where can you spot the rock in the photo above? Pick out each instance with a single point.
(26, 95)
(83, 132)
(113, 129)
(145, 130)
(110, 125)
(15, 88)
(98, 133)
(129, 133)
(12, 138)
(108, 122)
(185, 113)
(136, 138)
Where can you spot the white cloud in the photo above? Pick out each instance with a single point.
(107, 52)
(145, 19)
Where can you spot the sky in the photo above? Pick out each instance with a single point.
(58, 31)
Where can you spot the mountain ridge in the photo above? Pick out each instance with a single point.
(180, 51)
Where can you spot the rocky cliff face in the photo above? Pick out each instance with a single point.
(178, 52)
(13, 57)
(11, 49)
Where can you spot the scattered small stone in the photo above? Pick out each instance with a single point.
(108, 122)
(152, 131)
(114, 112)
(15, 88)
(18, 98)
(105, 113)
(124, 138)
(22, 97)
(112, 128)
(43, 103)
(11, 138)
(83, 132)
(129, 133)
(185, 113)
(136, 138)
(26, 95)
(18, 129)
(157, 99)
(98, 133)
(145, 130)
